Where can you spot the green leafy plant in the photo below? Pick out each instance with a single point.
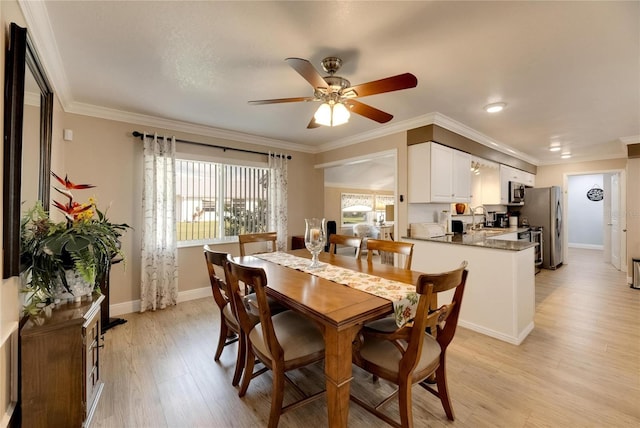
(86, 243)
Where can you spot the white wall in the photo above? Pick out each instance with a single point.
(585, 217)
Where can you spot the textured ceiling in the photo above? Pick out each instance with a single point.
(568, 71)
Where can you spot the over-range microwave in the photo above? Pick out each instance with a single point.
(516, 193)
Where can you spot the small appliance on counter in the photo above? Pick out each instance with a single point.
(502, 220)
(490, 219)
(457, 227)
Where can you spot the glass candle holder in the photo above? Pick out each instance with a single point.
(315, 238)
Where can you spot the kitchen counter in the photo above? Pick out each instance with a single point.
(487, 238)
(499, 298)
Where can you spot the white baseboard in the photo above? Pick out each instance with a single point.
(134, 305)
(514, 340)
(586, 246)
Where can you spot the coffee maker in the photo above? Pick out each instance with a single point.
(490, 219)
(502, 220)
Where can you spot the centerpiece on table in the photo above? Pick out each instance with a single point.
(66, 260)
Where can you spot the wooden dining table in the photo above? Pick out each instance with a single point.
(340, 311)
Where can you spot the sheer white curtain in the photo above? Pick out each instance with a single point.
(159, 282)
(278, 198)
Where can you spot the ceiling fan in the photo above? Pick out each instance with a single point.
(338, 96)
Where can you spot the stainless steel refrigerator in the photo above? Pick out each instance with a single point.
(543, 207)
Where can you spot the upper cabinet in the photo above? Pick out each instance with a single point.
(508, 174)
(485, 184)
(438, 174)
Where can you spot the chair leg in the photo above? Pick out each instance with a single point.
(404, 404)
(247, 375)
(224, 330)
(240, 361)
(443, 392)
(277, 397)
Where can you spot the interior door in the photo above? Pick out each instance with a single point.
(615, 220)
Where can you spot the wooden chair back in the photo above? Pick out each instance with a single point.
(387, 249)
(250, 238)
(409, 340)
(346, 241)
(256, 279)
(218, 285)
(444, 320)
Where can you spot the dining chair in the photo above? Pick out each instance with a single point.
(253, 238)
(387, 249)
(228, 321)
(409, 355)
(345, 241)
(282, 342)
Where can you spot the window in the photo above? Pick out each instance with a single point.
(380, 207)
(364, 207)
(217, 201)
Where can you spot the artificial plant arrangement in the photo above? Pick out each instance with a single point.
(66, 259)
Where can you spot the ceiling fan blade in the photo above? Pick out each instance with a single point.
(281, 100)
(308, 71)
(394, 83)
(368, 111)
(312, 124)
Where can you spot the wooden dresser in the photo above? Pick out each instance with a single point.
(60, 366)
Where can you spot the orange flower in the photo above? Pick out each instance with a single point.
(69, 185)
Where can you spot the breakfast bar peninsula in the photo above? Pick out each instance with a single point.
(499, 299)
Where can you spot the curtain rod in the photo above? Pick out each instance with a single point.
(223, 148)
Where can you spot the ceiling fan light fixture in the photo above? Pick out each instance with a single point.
(341, 114)
(323, 115)
(495, 107)
(332, 114)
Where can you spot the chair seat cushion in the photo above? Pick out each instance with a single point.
(384, 354)
(297, 336)
(231, 319)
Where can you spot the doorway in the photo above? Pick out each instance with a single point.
(373, 175)
(594, 201)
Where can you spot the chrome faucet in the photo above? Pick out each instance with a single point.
(473, 216)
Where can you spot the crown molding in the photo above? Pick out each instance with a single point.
(464, 130)
(382, 131)
(39, 28)
(434, 118)
(583, 159)
(176, 125)
(359, 159)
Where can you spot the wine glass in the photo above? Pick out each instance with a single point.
(315, 238)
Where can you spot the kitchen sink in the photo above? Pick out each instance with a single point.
(486, 232)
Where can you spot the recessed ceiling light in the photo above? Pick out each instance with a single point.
(566, 155)
(554, 149)
(495, 107)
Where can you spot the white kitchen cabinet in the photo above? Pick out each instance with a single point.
(461, 176)
(508, 174)
(485, 186)
(438, 174)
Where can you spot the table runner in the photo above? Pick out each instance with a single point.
(403, 296)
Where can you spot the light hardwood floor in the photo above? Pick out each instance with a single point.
(580, 367)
